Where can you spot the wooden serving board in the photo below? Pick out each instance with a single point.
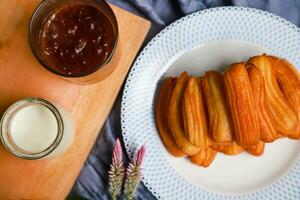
(22, 76)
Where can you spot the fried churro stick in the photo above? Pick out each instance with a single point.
(266, 120)
(289, 83)
(220, 125)
(285, 117)
(175, 117)
(242, 108)
(161, 117)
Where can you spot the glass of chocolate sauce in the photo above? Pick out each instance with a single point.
(75, 39)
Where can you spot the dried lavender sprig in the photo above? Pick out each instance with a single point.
(134, 174)
(116, 173)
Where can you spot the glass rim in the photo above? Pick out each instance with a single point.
(5, 134)
(113, 22)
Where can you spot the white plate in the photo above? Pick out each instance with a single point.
(206, 40)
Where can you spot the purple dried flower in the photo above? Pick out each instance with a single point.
(116, 173)
(134, 174)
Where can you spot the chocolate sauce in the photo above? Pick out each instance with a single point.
(76, 40)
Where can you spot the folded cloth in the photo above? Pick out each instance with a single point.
(92, 181)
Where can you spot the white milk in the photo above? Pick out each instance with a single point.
(34, 128)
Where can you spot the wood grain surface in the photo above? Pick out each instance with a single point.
(22, 76)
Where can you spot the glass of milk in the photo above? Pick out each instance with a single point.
(34, 128)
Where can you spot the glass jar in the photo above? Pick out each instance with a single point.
(34, 128)
(62, 42)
